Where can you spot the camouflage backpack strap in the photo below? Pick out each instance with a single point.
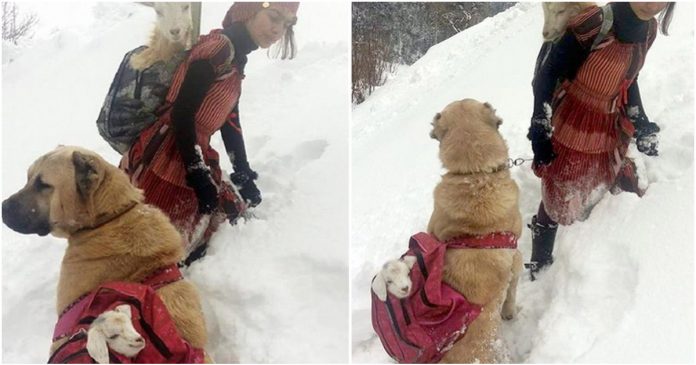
(607, 22)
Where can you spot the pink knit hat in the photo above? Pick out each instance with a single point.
(243, 11)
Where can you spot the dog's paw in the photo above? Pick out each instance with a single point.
(509, 312)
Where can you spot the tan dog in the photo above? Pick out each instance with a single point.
(476, 196)
(112, 235)
(556, 16)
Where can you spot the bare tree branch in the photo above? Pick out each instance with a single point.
(14, 29)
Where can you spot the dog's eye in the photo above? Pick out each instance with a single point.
(40, 184)
(113, 337)
(389, 282)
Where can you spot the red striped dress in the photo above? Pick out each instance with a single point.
(591, 131)
(154, 163)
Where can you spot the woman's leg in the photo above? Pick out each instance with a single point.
(543, 237)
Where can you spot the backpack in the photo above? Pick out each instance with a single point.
(135, 100)
(422, 327)
(150, 319)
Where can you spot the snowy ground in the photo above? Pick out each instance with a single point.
(622, 287)
(274, 288)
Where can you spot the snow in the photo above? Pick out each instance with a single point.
(622, 287)
(274, 287)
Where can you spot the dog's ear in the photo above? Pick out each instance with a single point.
(437, 131)
(409, 261)
(379, 286)
(86, 173)
(96, 345)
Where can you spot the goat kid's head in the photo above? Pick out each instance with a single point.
(113, 329)
(394, 278)
(174, 21)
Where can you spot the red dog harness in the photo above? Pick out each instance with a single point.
(150, 318)
(422, 327)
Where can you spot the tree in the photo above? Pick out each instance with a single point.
(13, 29)
(385, 33)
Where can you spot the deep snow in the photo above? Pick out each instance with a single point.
(274, 288)
(622, 288)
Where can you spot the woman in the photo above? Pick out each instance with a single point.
(587, 107)
(172, 161)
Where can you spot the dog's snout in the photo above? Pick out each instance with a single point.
(8, 206)
(139, 340)
(23, 218)
(404, 289)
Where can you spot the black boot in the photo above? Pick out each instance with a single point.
(543, 237)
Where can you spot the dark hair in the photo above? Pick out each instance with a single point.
(665, 17)
(286, 47)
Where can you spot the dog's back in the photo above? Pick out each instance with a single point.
(477, 196)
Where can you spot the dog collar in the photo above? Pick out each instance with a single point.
(103, 221)
(504, 166)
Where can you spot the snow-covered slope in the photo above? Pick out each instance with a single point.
(274, 288)
(622, 288)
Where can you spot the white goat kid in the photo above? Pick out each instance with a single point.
(172, 34)
(556, 16)
(113, 329)
(394, 277)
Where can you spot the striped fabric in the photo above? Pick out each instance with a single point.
(163, 179)
(591, 130)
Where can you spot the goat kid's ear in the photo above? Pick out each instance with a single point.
(409, 260)
(379, 286)
(96, 346)
(124, 308)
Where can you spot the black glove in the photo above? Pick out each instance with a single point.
(540, 135)
(646, 138)
(244, 180)
(200, 180)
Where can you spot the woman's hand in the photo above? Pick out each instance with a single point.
(646, 138)
(540, 135)
(244, 180)
(200, 180)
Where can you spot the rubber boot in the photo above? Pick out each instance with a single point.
(543, 238)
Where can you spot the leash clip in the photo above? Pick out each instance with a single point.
(517, 162)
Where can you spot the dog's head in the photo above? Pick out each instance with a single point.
(68, 189)
(556, 16)
(468, 134)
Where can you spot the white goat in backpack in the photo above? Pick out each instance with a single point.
(394, 278)
(172, 34)
(113, 329)
(556, 16)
